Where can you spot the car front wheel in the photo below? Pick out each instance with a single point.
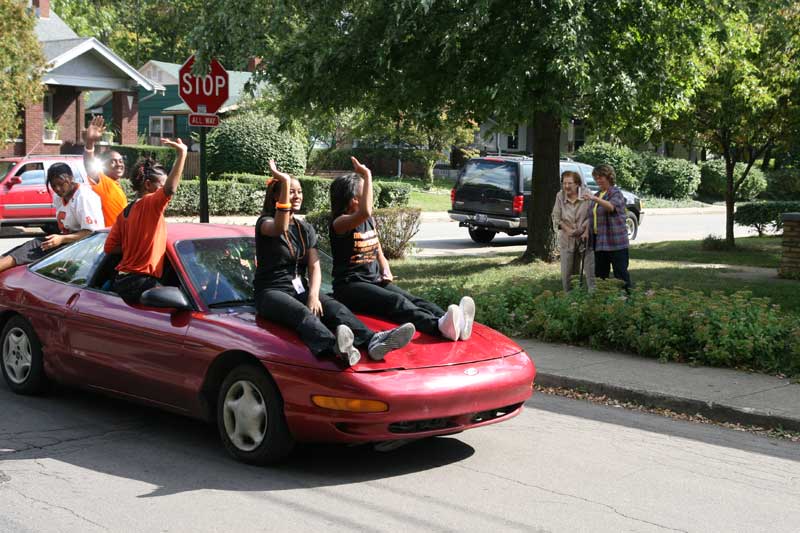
(250, 417)
(481, 236)
(632, 225)
(23, 364)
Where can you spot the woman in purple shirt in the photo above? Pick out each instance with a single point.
(608, 234)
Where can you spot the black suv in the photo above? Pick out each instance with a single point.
(491, 195)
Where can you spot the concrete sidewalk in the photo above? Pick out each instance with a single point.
(720, 394)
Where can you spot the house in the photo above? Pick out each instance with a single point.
(76, 65)
(165, 114)
(490, 139)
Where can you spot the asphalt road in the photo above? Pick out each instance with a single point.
(75, 461)
(446, 238)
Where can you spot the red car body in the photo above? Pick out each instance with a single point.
(177, 359)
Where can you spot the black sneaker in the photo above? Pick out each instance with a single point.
(344, 345)
(384, 342)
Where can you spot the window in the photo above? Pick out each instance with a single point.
(162, 126)
(221, 269)
(527, 176)
(75, 263)
(47, 105)
(31, 174)
(498, 174)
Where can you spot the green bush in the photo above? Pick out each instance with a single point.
(392, 194)
(675, 324)
(224, 198)
(713, 182)
(459, 156)
(395, 226)
(627, 164)
(133, 153)
(783, 184)
(670, 178)
(247, 141)
(339, 158)
(761, 215)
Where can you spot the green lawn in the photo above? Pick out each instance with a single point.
(750, 251)
(430, 201)
(654, 202)
(483, 272)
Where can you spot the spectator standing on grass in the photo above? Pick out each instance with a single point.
(570, 215)
(607, 232)
(106, 186)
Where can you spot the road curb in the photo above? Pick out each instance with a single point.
(713, 411)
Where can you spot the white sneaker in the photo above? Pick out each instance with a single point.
(467, 306)
(449, 324)
(384, 342)
(344, 345)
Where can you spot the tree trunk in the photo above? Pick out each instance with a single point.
(730, 199)
(546, 182)
(767, 157)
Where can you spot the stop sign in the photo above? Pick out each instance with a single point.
(210, 90)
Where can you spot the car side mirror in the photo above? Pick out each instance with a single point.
(165, 298)
(13, 180)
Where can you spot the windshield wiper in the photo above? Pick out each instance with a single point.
(230, 303)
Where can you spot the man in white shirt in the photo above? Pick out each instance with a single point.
(78, 213)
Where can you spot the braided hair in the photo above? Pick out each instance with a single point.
(144, 170)
(273, 192)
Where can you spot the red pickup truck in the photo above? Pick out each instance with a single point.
(25, 199)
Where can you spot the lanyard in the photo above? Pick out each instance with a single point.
(299, 256)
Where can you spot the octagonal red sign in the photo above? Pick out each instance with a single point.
(210, 90)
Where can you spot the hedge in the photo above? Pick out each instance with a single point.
(627, 164)
(761, 215)
(713, 181)
(247, 141)
(395, 226)
(783, 184)
(668, 177)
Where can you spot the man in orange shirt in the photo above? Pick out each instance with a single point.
(106, 186)
(140, 231)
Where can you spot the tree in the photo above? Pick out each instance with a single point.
(751, 96)
(21, 62)
(623, 64)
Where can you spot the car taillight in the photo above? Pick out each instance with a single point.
(453, 197)
(516, 207)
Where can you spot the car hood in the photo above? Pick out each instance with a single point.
(280, 344)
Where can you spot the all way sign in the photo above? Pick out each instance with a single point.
(203, 121)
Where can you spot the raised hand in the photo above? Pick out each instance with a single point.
(277, 174)
(176, 145)
(96, 129)
(360, 168)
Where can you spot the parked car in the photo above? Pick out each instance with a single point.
(196, 347)
(25, 199)
(492, 193)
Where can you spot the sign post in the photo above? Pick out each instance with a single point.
(204, 95)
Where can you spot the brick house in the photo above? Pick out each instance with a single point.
(76, 65)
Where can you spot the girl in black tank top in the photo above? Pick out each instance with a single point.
(362, 278)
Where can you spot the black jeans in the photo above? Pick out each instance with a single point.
(291, 309)
(618, 259)
(389, 301)
(131, 286)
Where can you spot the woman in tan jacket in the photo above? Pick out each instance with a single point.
(571, 217)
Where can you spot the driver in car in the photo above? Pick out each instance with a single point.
(140, 231)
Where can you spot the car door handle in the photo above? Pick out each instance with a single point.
(73, 299)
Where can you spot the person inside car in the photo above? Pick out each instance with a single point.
(78, 214)
(140, 231)
(362, 279)
(106, 186)
(288, 278)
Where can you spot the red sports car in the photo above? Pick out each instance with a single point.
(196, 347)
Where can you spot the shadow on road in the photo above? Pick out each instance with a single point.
(175, 454)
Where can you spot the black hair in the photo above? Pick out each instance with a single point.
(271, 196)
(343, 189)
(144, 170)
(57, 170)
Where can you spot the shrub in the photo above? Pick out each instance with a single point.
(714, 243)
(132, 153)
(628, 164)
(224, 198)
(247, 141)
(459, 156)
(713, 182)
(670, 178)
(761, 215)
(783, 184)
(395, 226)
(392, 194)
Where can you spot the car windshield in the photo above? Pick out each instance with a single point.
(499, 174)
(221, 269)
(5, 166)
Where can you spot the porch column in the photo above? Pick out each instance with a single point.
(33, 128)
(125, 111)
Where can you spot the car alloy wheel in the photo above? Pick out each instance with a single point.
(17, 358)
(245, 415)
(632, 227)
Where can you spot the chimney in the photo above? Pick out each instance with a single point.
(42, 8)
(253, 64)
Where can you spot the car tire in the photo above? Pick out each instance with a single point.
(633, 226)
(22, 358)
(250, 417)
(481, 236)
